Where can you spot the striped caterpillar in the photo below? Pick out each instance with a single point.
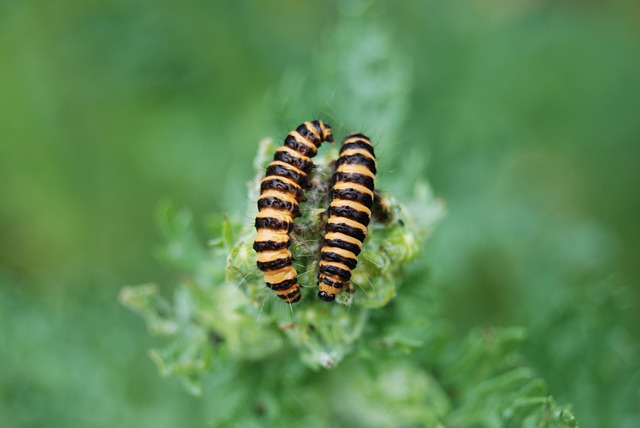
(349, 215)
(280, 192)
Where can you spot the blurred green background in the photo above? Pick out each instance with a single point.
(524, 116)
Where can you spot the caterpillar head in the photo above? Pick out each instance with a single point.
(324, 130)
(324, 296)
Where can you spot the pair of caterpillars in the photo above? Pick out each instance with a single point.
(282, 189)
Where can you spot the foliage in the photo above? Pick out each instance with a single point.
(223, 295)
(407, 368)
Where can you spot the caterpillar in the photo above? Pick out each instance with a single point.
(281, 190)
(349, 215)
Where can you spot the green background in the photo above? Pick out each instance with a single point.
(524, 116)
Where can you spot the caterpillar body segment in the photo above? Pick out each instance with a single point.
(349, 213)
(281, 191)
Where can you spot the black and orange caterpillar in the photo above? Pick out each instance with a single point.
(349, 215)
(280, 192)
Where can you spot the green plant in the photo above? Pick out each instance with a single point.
(401, 362)
(384, 356)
